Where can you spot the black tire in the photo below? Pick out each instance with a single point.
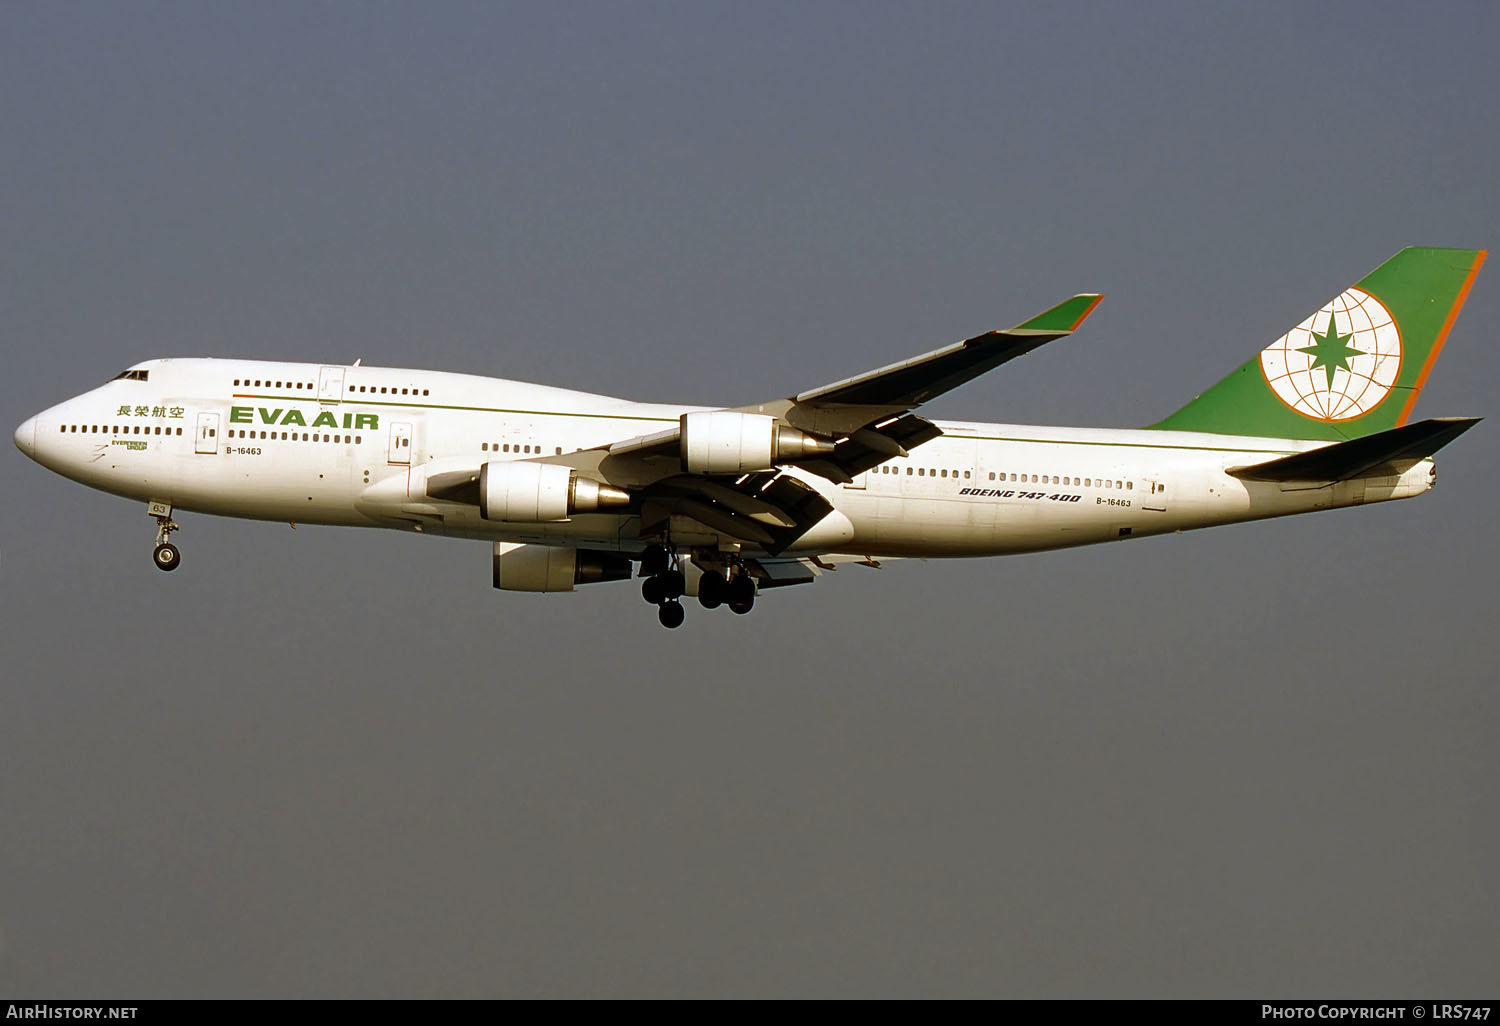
(741, 607)
(673, 583)
(653, 560)
(741, 590)
(651, 591)
(166, 556)
(711, 589)
(671, 614)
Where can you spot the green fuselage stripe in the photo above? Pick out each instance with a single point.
(1120, 445)
(673, 420)
(445, 406)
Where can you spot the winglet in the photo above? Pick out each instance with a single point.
(1062, 319)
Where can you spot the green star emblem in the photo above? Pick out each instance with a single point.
(1331, 350)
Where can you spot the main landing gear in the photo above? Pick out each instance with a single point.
(736, 591)
(165, 555)
(665, 584)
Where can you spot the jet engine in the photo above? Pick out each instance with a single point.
(533, 493)
(549, 568)
(726, 442)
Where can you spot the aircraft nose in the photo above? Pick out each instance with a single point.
(26, 437)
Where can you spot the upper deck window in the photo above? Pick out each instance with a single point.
(132, 375)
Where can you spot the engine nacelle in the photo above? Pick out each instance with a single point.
(548, 568)
(537, 493)
(726, 442)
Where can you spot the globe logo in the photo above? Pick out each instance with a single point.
(1340, 362)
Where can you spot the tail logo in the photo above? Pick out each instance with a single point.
(1338, 364)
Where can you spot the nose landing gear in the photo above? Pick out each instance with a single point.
(165, 555)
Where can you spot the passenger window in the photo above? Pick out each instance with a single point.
(945, 473)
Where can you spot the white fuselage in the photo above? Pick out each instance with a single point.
(311, 443)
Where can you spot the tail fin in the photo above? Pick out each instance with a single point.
(1353, 368)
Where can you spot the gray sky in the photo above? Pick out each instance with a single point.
(1249, 761)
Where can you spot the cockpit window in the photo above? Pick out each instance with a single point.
(132, 375)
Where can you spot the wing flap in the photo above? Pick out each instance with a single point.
(768, 509)
(870, 447)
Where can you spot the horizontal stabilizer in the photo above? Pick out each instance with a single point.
(1396, 450)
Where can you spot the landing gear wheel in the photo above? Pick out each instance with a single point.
(671, 614)
(654, 560)
(711, 590)
(741, 595)
(652, 591)
(673, 583)
(166, 556)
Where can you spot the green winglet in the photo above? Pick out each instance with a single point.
(1355, 367)
(1062, 319)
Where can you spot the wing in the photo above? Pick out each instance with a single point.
(869, 415)
(915, 381)
(840, 430)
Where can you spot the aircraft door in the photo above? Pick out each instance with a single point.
(331, 385)
(1154, 498)
(400, 444)
(206, 436)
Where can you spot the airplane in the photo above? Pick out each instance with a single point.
(725, 503)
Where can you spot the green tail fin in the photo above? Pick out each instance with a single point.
(1353, 368)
